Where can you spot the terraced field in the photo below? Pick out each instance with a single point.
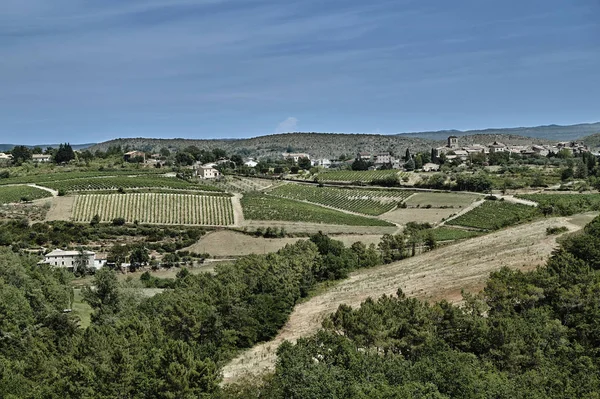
(12, 194)
(366, 176)
(494, 215)
(565, 204)
(259, 206)
(60, 176)
(367, 202)
(126, 182)
(156, 208)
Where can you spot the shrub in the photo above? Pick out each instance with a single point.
(556, 230)
(118, 221)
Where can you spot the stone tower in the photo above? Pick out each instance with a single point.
(453, 142)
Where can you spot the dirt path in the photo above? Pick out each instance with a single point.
(53, 192)
(515, 200)
(238, 213)
(61, 208)
(440, 274)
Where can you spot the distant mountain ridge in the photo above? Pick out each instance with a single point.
(548, 132)
(8, 147)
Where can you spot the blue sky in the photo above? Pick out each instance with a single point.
(88, 71)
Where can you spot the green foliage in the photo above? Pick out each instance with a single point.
(556, 230)
(258, 206)
(366, 176)
(125, 182)
(564, 204)
(368, 202)
(21, 193)
(494, 215)
(451, 234)
(64, 154)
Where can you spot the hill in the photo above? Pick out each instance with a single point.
(592, 141)
(318, 145)
(548, 132)
(8, 147)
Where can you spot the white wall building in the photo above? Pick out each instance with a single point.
(70, 259)
(207, 172)
(251, 163)
(41, 158)
(325, 163)
(295, 156)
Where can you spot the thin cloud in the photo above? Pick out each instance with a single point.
(289, 125)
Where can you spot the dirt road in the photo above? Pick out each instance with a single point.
(436, 275)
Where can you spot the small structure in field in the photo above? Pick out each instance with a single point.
(207, 171)
(132, 155)
(41, 157)
(295, 156)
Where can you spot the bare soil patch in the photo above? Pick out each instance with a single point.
(432, 215)
(436, 275)
(225, 243)
(61, 208)
(437, 200)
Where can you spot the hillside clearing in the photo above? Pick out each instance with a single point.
(436, 275)
(438, 200)
(225, 243)
(420, 215)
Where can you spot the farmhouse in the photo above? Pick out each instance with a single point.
(41, 157)
(325, 163)
(295, 156)
(497, 147)
(4, 158)
(363, 156)
(383, 158)
(207, 171)
(431, 167)
(131, 155)
(251, 163)
(71, 259)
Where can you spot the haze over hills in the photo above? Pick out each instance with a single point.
(548, 132)
(8, 147)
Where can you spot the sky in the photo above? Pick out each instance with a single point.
(88, 71)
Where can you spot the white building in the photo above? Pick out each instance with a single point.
(295, 156)
(431, 167)
(41, 157)
(325, 163)
(251, 163)
(71, 259)
(207, 172)
(383, 158)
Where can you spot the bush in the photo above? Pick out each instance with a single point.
(556, 230)
(61, 192)
(118, 221)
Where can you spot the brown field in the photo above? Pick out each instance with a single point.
(61, 208)
(301, 227)
(421, 215)
(225, 243)
(436, 275)
(437, 200)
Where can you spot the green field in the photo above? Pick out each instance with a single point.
(368, 202)
(439, 200)
(451, 234)
(494, 215)
(19, 193)
(81, 309)
(258, 206)
(126, 182)
(565, 204)
(366, 176)
(60, 175)
(155, 208)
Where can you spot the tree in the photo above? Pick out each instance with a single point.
(64, 153)
(118, 254)
(184, 159)
(407, 156)
(139, 256)
(21, 154)
(80, 264)
(95, 220)
(410, 165)
(164, 152)
(304, 163)
(360, 164)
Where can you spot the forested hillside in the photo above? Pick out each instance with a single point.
(527, 335)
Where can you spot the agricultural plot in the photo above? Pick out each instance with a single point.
(60, 176)
(441, 200)
(12, 194)
(368, 202)
(126, 182)
(494, 215)
(366, 176)
(155, 208)
(258, 206)
(565, 204)
(452, 234)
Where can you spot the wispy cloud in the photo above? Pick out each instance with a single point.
(289, 125)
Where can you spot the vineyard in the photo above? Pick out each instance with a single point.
(155, 208)
(60, 176)
(451, 234)
(366, 176)
(21, 193)
(258, 206)
(565, 204)
(126, 182)
(494, 215)
(368, 202)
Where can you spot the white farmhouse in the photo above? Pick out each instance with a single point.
(295, 156)
(207, 171)
(41, 157)
(251, 163)
(325, 163)
(71, 259)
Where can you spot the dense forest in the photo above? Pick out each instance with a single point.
(527, 335)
